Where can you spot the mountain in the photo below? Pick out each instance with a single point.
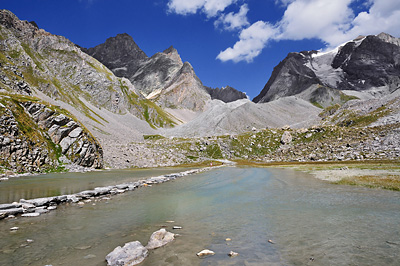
(226, 94)
(163, 78)
(120, 54)
(61, 107)
(363, 64)
(81, 108)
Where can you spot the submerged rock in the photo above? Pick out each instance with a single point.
(130, 254)
(160, 238)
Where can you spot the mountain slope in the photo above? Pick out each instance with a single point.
(54, 71)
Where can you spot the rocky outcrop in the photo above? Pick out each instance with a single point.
(75, 142)
(33, 137)
(19, 151)
(362, 64)
(226, 94)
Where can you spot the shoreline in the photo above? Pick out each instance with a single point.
(36, 207)
(382, 174)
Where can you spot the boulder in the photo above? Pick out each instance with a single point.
(286, 137)
(130, 254)
(160, 238)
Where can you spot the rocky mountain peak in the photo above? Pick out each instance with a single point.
(120, 54)
(22, 28)
(389, 38)
(172, 53)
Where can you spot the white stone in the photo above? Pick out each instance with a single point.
(32, 214)
(205, 252)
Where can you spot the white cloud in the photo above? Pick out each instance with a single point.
(184, 7)
(234, 21)
(315, 18)
(210, 7)
(383, 16)
(252, 41)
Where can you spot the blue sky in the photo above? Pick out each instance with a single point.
(228, 42)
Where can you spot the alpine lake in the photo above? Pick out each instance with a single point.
(269, 216)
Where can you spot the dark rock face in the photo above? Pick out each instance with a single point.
(374, 63)
(361, 64)
(120, 54)
(226, 94)
(289, 77)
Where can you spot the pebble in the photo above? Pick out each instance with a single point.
(228, 239)
(270, 241)
(29, 240)
(177, 227)
(14, 228)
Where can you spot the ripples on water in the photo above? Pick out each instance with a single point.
(311, 223)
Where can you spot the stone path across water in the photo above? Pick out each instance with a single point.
(36, 207)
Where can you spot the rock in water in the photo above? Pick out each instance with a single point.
(130, 254)
(159, 239)
(205, 252)
(233, 254)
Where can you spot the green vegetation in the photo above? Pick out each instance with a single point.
(153, 137)
(390, 182)
(354, 119)
(213, 151)
(154, 115)
(317, 104)
(345, 98)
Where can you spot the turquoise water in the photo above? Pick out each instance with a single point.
(309, 221)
